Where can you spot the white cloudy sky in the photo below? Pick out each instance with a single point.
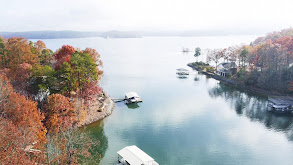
(103, 15)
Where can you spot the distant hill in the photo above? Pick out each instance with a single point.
(69, 34)
(50, 34)
(122, 34)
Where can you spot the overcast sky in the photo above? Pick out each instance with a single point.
(154, 15)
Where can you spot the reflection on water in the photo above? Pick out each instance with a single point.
(133, 106)
(96, 133)
(182, 77)
(254, 107)
(196, 78)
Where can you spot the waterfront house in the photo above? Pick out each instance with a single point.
(226, 68)
(132, 155)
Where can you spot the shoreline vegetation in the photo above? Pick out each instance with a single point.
(264, 66)
(233, 83)
(44, 97)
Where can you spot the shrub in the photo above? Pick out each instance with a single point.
(241, 74)
(210, 69)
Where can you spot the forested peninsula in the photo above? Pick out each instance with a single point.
(44, 97)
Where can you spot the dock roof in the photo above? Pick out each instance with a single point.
(182, 70)
(134, 155)
(131, 94)
(281, 99)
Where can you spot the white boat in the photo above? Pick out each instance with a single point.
(182, 71)
(132, 97)
(132, 155)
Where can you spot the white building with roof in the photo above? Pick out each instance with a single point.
(132, 97)
(132, 155)
(226, 68)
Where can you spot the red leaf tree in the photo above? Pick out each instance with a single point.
(63, 55)
(90, 92)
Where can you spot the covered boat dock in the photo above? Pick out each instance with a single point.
(132, 155)
(280, 103)
(132, 97)
(182, 71)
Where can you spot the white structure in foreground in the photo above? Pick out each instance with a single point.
(132, 155)
(132, 97)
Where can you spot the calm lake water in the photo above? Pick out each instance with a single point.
(195, 120)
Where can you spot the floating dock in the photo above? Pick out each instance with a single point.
(182, 71)
(130, 97)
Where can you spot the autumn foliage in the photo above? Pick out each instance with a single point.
(5, 88)
(90, 92)
(37, 93)
(265, 63)
(25, 114)
(21, 126)
(60, 113)
(63, 55)
(11, 145)
(17, 52)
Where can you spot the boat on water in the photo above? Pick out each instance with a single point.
(132, 97)
(182, 71)
(281, 104)
(132, 155)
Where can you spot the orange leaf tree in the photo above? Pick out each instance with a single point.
(19, 51)
(27, 117)
(20, 126)
(12, 144)
(60, 113)
(5, 88)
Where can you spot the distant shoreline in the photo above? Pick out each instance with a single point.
(116, 34)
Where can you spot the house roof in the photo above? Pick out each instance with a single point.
(131, 94)
(228, 65)
(134, 155)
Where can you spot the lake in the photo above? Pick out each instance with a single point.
(194, 120)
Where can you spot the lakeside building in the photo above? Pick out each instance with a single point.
(132, 97)
(280, 103)
(132, 155)
(226, 68)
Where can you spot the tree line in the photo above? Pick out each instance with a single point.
(43, 96)
(265, 63)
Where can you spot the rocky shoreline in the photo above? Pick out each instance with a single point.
(235, 83)
(95, 112)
